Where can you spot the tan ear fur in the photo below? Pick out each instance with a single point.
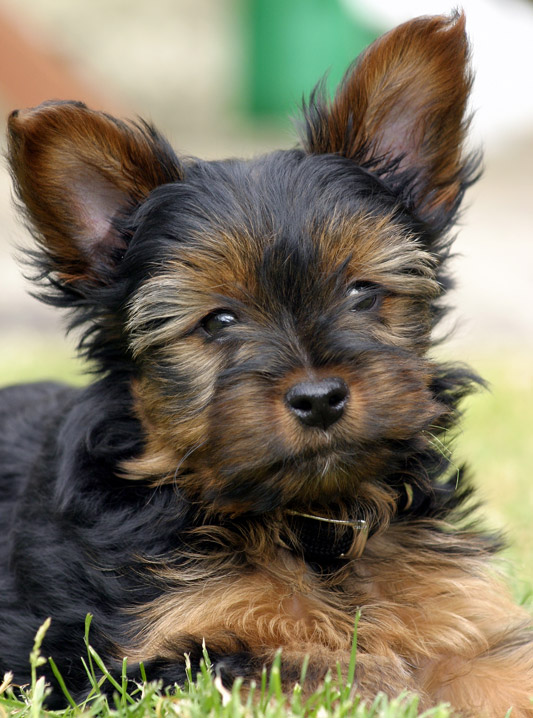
(401, 107)
(75, 169)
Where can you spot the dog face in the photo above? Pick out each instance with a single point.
(270, 317)
(278, 335)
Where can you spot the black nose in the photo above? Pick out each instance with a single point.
(318, 403)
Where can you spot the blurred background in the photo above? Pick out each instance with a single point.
(223, 77)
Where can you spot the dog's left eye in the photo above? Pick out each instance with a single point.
(364, 295)
(216, 321)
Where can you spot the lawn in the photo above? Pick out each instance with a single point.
(496, 442)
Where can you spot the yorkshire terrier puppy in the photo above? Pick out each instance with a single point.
(257, 459)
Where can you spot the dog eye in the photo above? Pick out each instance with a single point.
(364, 295)
(216, 321)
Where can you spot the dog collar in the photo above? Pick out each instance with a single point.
(324, 539)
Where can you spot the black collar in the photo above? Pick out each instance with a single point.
(322, 539)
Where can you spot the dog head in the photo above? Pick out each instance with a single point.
(271, 317)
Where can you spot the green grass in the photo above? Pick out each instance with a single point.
(204, 696)
(24, 358)
(495, 441)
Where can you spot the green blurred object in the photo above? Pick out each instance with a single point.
(293, 43)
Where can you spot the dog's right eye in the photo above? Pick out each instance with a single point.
(217, 321)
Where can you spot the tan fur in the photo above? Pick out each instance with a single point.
(446, 628)
(180, 434)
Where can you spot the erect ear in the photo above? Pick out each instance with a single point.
(75, 170)
(400, 111)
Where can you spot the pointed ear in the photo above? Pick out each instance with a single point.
(75, 170)
(400, 111)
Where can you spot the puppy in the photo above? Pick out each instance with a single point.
(258, 456)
